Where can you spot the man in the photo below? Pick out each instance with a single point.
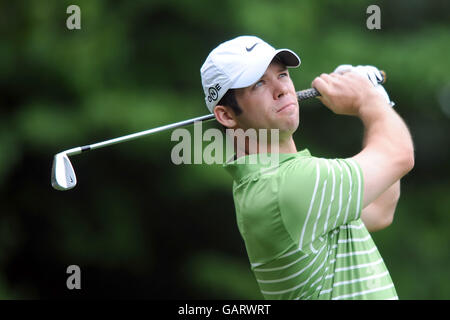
(306, 224)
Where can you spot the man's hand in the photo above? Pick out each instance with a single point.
(372, 73)
(347, 93)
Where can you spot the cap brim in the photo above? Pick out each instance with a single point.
(288, 57)
(249, 77)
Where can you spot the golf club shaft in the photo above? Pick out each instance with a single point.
(301, 95)
(133, 136)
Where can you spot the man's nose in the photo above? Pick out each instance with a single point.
(280, 89)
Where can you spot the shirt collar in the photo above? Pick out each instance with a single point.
(255, 162)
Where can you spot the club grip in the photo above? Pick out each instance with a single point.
(307, 94)
(312, 93)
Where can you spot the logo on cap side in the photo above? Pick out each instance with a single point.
(251, 48)
(214, 92)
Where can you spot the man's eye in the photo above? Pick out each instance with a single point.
(284, 74)
(259, 83)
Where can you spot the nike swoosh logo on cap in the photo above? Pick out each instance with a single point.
(251, 48)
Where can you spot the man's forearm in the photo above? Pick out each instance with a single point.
(380, 213)
(387, 153)
(385, 129)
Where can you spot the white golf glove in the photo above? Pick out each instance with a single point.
(370, 72)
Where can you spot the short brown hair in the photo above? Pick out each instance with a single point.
(229, 100)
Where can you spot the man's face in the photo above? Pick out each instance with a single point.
(270, 103)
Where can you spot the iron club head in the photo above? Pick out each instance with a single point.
(63, 176)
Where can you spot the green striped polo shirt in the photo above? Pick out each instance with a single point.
(301, 223)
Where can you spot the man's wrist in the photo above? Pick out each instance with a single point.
(373, 110)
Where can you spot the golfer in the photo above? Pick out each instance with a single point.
(306, 222)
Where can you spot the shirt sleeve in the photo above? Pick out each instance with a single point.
(318, 195)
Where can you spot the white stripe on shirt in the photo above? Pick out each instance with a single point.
(358, 266)
(349, 193)
(282, 267)
(330, 205)
(376, 276)
(359, 187)
(295, 274)
(355, 239)
(356, 253)
(310, 205)
(340, 195)
(363, 292)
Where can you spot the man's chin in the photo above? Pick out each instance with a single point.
(289, 127)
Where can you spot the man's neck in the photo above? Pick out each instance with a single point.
(286, 145)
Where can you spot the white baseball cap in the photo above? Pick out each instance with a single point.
(239, 63)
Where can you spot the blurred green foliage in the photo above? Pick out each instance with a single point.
(142, 227)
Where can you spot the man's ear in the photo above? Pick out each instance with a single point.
(225, 116)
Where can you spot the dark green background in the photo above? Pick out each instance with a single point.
(138, 225)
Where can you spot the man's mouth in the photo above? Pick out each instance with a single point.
(288, 106)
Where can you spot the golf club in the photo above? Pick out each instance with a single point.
(63, 176)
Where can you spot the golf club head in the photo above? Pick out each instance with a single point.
(63, 176)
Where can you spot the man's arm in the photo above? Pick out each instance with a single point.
(380, 213)
(388, 154)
